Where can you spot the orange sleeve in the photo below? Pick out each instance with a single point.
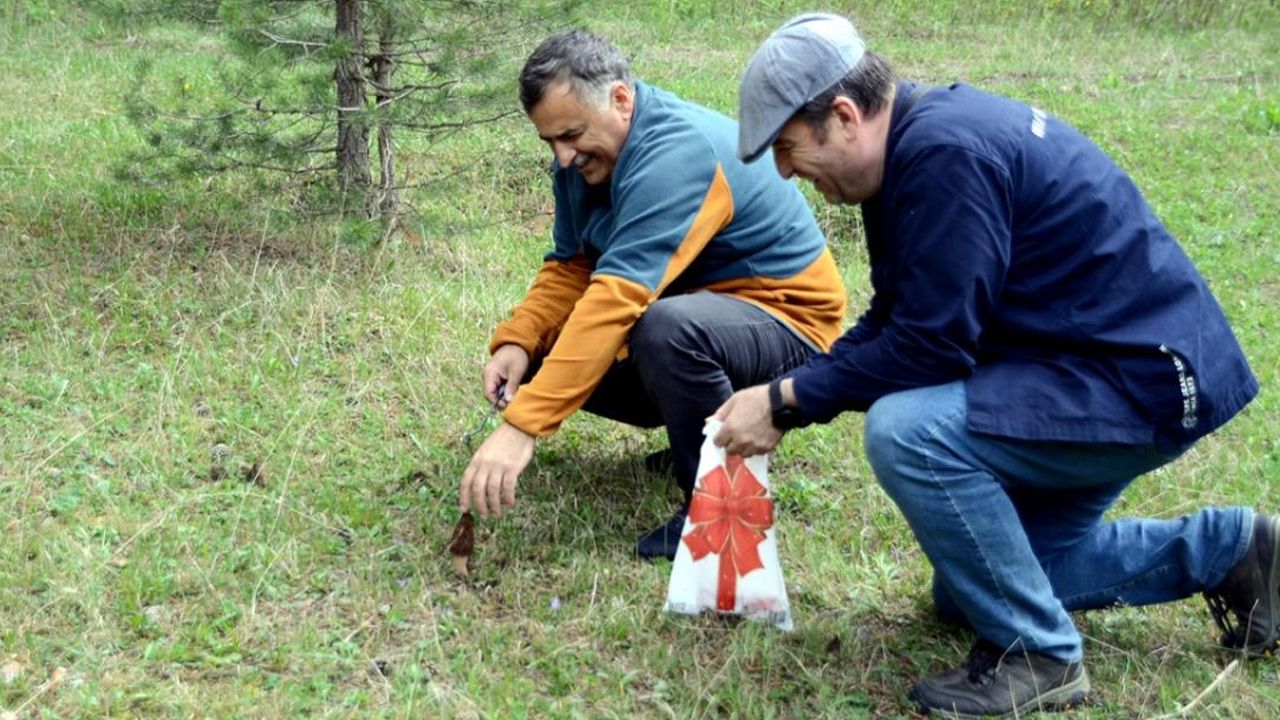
(597, 327)
(537, 320)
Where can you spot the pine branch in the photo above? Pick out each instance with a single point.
(410, 89)
(279, 40)
(435, 127)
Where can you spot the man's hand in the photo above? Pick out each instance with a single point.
(507, 367)
(747, 423)
(490, 479)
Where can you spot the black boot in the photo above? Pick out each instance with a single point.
(663, 541)
(997, 683)
(1245, 604)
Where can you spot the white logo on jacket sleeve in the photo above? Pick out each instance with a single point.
(1038, 122)
(1187, 386)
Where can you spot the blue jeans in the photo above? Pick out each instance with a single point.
(1014, 528)
(688, 354)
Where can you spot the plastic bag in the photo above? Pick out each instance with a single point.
(728, 556)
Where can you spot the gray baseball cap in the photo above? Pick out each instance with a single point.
(800, 60)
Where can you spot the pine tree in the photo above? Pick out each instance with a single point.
(324, 88)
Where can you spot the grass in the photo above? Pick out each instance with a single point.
(142, 326)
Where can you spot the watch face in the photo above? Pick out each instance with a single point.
(786, 417)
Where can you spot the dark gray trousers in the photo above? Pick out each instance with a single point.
(688, 354)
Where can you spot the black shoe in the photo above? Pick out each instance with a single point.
(1246, 603)
(663, 541)
(996, 683)
(660, 462)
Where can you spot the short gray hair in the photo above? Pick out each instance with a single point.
(589, 64)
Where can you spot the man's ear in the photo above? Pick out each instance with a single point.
(847, 114)
(622, 98)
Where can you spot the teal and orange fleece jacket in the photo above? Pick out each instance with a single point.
(680, 214)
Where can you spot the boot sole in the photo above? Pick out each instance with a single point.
(1059, 698)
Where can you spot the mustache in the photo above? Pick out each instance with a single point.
(581, 159)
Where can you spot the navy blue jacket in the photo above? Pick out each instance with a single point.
(1009, 250)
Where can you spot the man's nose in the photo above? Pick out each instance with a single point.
(783, 165)
(565, 154)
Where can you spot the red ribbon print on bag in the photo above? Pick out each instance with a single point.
(730, 511)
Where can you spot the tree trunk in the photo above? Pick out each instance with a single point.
(384, 67)
(353, 127)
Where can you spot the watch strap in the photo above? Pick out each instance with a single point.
(775, 395)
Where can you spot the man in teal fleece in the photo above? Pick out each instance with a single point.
(678, 274)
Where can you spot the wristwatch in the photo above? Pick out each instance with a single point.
(785, 417)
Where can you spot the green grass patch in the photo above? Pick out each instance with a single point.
(143, 325)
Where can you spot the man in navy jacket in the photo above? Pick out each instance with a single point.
(1036, 340)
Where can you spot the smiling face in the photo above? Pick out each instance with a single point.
(583, 134)
(844, 161)
(800, 151)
